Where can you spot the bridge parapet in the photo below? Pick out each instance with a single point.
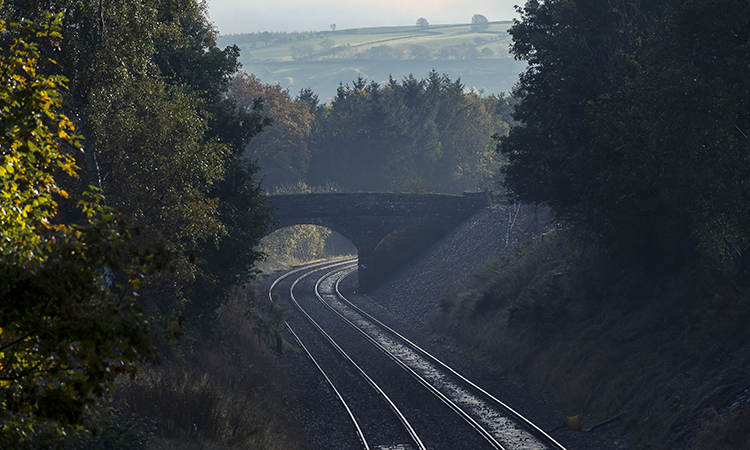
(376, 204)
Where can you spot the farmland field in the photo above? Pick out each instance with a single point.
(322, 60)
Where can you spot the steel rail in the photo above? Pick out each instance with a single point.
(533, 428)
(349, 412)
(332, 263)
(378, 389)
(448, 402)
(360, 434)
(323, 266)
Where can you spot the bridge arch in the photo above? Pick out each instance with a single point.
(333, 225)
(367, 218)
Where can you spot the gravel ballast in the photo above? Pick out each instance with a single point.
(406, 300)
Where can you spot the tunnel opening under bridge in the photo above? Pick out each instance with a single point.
(298, 244)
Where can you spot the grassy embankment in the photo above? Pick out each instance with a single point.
(668, 358)
(347, 58)
(218, 389)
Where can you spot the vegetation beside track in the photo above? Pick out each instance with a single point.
(668, 357)
(221, 390)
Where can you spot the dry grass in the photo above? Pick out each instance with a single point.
(225, 394)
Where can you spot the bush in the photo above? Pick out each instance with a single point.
(527, 277)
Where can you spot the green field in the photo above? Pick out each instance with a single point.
(353, 42)
(322, 60)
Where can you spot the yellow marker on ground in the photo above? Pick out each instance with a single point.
(574, 423)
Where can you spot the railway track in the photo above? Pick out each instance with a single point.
(409, 399)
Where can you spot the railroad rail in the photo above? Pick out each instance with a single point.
(332, 385)
(501, 427)
(515, 416)
(417, 442)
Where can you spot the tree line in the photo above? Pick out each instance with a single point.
(275, 37)
(430, 135)
(386, 52)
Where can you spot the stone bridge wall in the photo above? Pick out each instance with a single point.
(377, 204)
(366, 218)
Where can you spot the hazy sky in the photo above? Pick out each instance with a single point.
(245, 16)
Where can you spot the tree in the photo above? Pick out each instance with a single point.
(311, 98)
(188, 55)
(282, 149)
(333, 27)
(384, 52)
(326, 44)
(244, 209)
(297, 243)
(302, 51)
(373, 137)
(422, 23)
(479, 22)
(633, 125)
(163, 145)
(556, 143)
(154, 70)
(694, 64)
(192, 58)
(65, 331)
(419, 51)
(265, 37)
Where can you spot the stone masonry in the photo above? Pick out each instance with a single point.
(367, 218)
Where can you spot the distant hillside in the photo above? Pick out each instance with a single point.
(322, 60)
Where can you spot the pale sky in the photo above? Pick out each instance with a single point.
(246, 16)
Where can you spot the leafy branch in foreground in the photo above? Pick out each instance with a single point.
(65, 331)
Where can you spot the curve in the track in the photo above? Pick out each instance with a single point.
(322, 266)
(517, 417)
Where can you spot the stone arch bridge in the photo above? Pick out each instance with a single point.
(367, 218)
